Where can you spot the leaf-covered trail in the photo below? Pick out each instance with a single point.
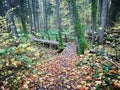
(61, 74)
(68, 71)
(64, 60)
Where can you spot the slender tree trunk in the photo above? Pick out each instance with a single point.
(94, 14)
(80, 37)
(30, 14)
(13, 26)
(59, 23)
(23, 23)
(22, 16)
(103, 21)
(45, 16)
(40, 15)
(114, 11)
(100, 10)
(1, 12)
(37, 13)
(34, 14)
(108, 15)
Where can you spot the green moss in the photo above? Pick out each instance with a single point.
(23, 23)
(81, 43)
(60, 40)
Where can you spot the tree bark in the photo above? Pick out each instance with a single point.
(80, 37)
(114, 11)
(45, 16)
(34, 14)
(103, 21)
(100, 10)
(22, 16)
(93, 15)
(13, 26)
(37, 13)
(30, 14)
(59, 23)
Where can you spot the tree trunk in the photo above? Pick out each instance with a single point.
(93, 15)
(23, 23)
(80, 37)
(103, 21)
(22, 16)
(34, 14)
(37, 13)
(59, 23)
(45, 16)
(30, 14)
(114, 11)
(40, 15)
(100, 10)
(13, 26)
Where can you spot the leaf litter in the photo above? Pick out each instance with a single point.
(64, 71)
(67, 71)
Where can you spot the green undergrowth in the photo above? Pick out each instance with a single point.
(53, 35)
(103, 73)
(18, 56)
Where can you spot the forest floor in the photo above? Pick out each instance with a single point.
(67, 71)
(26, 64)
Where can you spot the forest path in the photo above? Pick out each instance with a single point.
(62, 74)
(58, 69)
(65, 59)
(67, 71)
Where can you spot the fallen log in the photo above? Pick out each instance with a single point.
(45, 41)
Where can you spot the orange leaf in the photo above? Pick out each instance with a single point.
(82, 88)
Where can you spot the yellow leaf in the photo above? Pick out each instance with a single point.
(18, 50)
(15, 64)
(9, 71)
(28, 48)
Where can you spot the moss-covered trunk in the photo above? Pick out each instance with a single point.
(80, 37)
(23, 23)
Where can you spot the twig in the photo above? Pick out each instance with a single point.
(116, 65)
(7, 76)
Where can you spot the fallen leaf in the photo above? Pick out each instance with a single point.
(82, 88)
